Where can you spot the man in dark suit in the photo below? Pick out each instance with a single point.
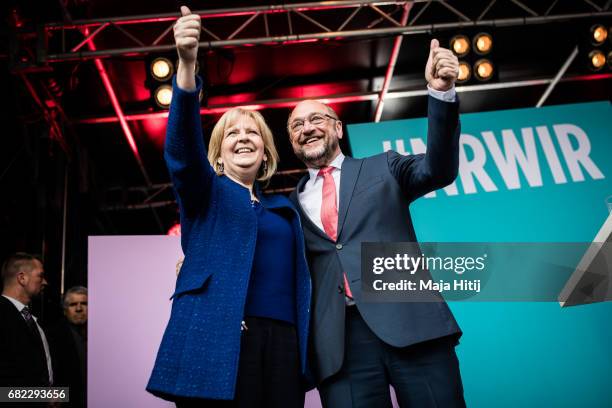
(360, 348)
(24, 352)
(68, 341)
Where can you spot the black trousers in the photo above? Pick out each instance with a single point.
(269, 374)
(423, 375)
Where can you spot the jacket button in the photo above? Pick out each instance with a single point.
(338, 246)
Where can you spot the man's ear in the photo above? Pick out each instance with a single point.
(339, 129)
(21, 277)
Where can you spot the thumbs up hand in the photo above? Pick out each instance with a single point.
(187, 36)
(442, 67)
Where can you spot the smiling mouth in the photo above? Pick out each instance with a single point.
(310, 140)
(243, 150)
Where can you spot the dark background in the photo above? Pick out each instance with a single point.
(91, 169)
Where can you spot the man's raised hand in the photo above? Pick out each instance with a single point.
(442, 67)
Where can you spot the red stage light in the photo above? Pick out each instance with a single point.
(175, 230)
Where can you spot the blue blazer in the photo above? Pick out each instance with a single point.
(199, 353)
(375, 195)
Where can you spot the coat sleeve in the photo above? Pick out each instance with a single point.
(185, 152)
(420, 174)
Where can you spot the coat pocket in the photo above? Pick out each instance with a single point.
(189, 281)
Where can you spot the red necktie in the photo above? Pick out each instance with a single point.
(329, 212)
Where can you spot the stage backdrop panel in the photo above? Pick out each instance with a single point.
(526, 175)
(131, 279)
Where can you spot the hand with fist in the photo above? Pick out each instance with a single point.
(442, 67)
(187, 37)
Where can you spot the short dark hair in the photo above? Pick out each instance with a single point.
(80, 290)
(16, 263)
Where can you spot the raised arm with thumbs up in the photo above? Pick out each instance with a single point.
(442, 67)
(187, 36)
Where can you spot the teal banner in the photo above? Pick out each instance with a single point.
(526, 175)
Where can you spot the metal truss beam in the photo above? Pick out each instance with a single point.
(131, 202)
(341, 98)
(397, 44)
(313, 15)
(51, 110)
(558, 77)
(120, 116)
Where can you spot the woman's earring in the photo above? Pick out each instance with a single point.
(221, 167)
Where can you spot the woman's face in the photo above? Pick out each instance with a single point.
(242, 149)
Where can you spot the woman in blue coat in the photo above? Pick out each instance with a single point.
(238, 330)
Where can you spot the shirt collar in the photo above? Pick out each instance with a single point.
(17, 303)
(337, 163)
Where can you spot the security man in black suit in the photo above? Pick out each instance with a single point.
(24, 352)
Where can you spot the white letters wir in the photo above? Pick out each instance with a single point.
(572, 141)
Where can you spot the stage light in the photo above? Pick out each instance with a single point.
(161, 69)
(175, 230)
(483, 70)
(599, 34)
(460, 45)
(597, 59)
(465, 72)
(163, 96)
(483, 43)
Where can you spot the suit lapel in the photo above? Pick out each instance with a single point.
(17, 316)
(306, 221)
(348, 177)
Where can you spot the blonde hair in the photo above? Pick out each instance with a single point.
(230, 118)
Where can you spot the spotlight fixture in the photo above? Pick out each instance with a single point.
(483, 42)
(163, 96)
(599, 34)
(597, 60)
(161, 69)
(465, 72)
(460, 45)
(483, 70)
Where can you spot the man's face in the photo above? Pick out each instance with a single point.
(314, 133)
(76, 308)
(33, 282)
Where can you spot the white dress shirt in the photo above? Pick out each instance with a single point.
(446, 96)
(312, 194)
(20, 307)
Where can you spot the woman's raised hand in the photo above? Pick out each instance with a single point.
(187, 37)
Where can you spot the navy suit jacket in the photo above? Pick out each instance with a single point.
(375, 194)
